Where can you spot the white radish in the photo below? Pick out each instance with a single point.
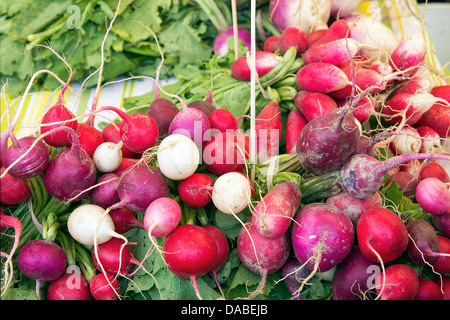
(231, 192)
(108, 156)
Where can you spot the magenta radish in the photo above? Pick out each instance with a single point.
(261, 255)
(162, 217)
(70, 173)
(231, 192)
(442, 263)
(294, 125)
(353, 207)
(42, 260)
(223, 154)
(104, 286)
(423, 245)
(268, 131)
(431, 141)
(190, 252)
(407, 105)
(442, 223)
(195, 190)
(409, 54)
(442, 91)
(416, 84)
(223, 249)
(108, 156)
(69, 286)
(351, 280)
(105, 193)
(335, 52)
(274, 213)
(111, 133)
(124, 219)
(398, 282)
(322, 236)
(13, 190)
(293, 273)
(362, 175)
(321, 77)
(264, 62)
(178, 156)
(293, 36)
(314, 104)
(220, 45)
(139, 186)
(364, 109)
(163, 111)
(193, 123)
(406, 181)
(207, 106)
(272, 44)
(433, 196)
(223, 120)
(327, 141)
(428, 290)
(339, 29)
(381, 235)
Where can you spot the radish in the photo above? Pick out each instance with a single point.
(293, 36)
(190, 252)
(433, 196)
(192, 123)
(207, 106)
(90, 137)
(139, 186)
(423, 245)
(163, 111)
(405, 141)
(438, 118)
(272, 43)
(327, 141)
(351, 280)
(223, 120)
(125, 164)
(431, 141)
(162, 217)
(223, 249)
(353, 207)
(398, 282)
(264, 62)
(111, 133)
(231, 193)
(58, 116)
(42, 261)
(195, 190)
(69, 286)
(293, 273)
(417, 84)
(322, 236)
(343, 8)
(314, 36)
(405, 180)
(335, 52)
(442, 223)
(268, 131)
(261, 255)
(428, 290)
(321, 77)
(294, 125)
(409, 54)
(407, 105)
(362, 175)
(382, 235)
(104, 286)
(13, 190)
(273, 214)
(70, 173)
(124, 219)
(90, 224)
(108, 156)
(339, 29)
(442, 262)
(220, 44)
(105, 193)
(314, 104)
(178, 156)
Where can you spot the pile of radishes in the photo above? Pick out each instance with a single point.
(79, 189)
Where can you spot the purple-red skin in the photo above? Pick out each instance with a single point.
(192, 123)
(13, 190)
(274, 212)
(124, 220)
(32, 164)
(314, 104)
(42, 260)
(223, 248)
(104, 286)
(442, 263)
(401, 283)
(195, 190)
(293, 273)
(322, 234)
(350, 281)
(423, 242)
(105, 195)
(63, 288)
(163, 111)
(321, 77)
(295, 123)
(428, 290)
(405, 180)
(58, 113)
(442, 223)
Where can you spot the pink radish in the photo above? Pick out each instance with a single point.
(409, 54)
(314, 104)
(192, 123)
(162, 217)
(321, 77)
(339, 29)
(433, 196)
(295, 123)
(382, 235)
(314, 36)
(293, 36)
(335, 52)
(417, 84)
(104, 286)
(264, 62)
(195, 190)
(190, 252)
(13, 190)
(220, 44)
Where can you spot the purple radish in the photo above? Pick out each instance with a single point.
(293, 273)
(423, 245)
(105, 194)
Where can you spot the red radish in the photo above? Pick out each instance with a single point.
(195, 190)
(442, 262)
(274, 212)
(362, 175)
(327, 141)
(261, 255)
(272, 43)
(423, 244)
(351, 280)
(405, 180)
(322, 236)
(139, 186)
(335, 52)
(104, 286)
(268, 131)
(13, 190)
(321, 77)
(417, 84)
(56, 114)
(222, 154)
(339, 29)
(433, 196)
(105, 193)
(444, 284)
(125, 164)
(111, 133)
(42, 260)
(410, 106)
(398, 282)
(313, 37)
(190, 252)
(381, 235)
(293, 36)
(431, 141)
(442, 91)
(438, 118)
(314, 104)
(69, 286)
(220, 44)
(70, 173)
(409, 54)
(264, 62)
(353, 207)
(223, 249)
(428, 290)
(442, 223)
(231, 192)
(364, 108)
(295, 123)
(192, 123)
(124, 219)
(223, 120)
(293, 274)
(90, 137)
(162, 217)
